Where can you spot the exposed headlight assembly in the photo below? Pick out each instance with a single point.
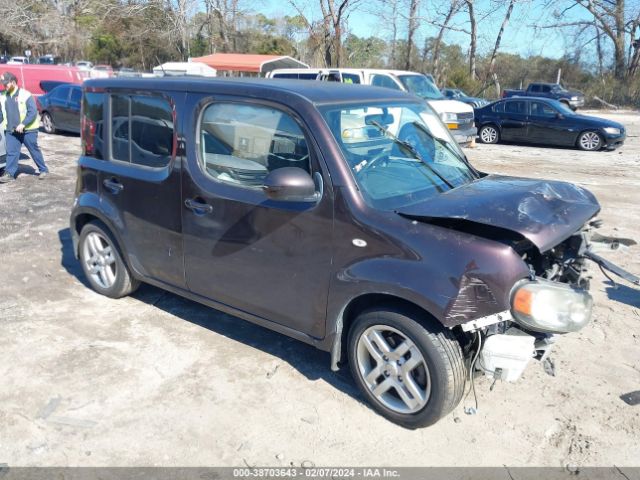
(552, 307)
(575, 99)
(612, 130)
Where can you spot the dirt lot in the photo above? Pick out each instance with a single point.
(158, 380)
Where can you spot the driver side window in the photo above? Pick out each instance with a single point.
(241, 144)
(384, 81)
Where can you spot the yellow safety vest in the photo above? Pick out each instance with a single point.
(23, 96)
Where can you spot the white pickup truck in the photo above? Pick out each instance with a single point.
(458, 116)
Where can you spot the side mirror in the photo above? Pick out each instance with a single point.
(559, 116)
(290, 184)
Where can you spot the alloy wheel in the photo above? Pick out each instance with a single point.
(489, 135)
(99, 260)
(47, 123)
(590, 141)
(393, 369)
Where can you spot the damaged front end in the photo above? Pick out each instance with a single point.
(554, 300)
(551, 227)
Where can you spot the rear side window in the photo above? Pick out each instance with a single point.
(241, 144)
(535, 88)
(142, 130)
(92, 125)
(518, 106)
(285, 75)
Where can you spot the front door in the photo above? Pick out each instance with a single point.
(141, 180)
(545, 126)
(269, 258)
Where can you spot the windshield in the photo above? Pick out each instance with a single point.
(421, 86)
(399, 153)
(558, 88)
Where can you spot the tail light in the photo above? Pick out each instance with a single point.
(88, 136)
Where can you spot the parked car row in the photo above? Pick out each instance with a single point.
(516, 118)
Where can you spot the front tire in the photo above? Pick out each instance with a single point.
(102, 263)
(47, 123)
(589, 141)
(489, 134)
(411, 374)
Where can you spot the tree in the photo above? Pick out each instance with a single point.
(473, 39)
(496, 47)
(411, 31)
(331, 26)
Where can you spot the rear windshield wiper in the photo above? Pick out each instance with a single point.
(412, 150)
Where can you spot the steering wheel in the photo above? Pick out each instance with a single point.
(373, 161)
(422, 142)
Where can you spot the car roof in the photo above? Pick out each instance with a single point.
(314, 91)
(528, 97)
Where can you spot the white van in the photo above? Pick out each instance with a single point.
(18, 61)
(458, 116)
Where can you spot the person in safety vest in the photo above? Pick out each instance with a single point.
(20, 121)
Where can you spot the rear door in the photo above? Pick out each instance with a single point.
(514, 120)
(141, 180)
(269, 258)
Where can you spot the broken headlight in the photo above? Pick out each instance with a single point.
(553, 307)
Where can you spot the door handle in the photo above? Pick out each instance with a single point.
(113, 185)
(198, 206)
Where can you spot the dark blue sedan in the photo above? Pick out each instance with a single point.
(545, 121)
(60, 108)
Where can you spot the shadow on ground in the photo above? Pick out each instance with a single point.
(623, 294)
(309, 361)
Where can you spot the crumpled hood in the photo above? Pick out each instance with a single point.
(544, 212)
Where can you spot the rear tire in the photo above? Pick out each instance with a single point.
(102, 262)
(47, 123)
(411, 373)
(489, 134)
(589, 141)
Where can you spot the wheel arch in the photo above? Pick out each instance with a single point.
(368, 301)
(589, 129)
(85, 216)
(491, 123)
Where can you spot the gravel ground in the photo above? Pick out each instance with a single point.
(154, 379)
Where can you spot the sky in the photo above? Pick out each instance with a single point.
(521, 36)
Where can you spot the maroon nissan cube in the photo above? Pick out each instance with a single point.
(344, 216)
